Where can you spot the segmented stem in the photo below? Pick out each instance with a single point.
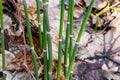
(60, 40)
(45, 25)
(78, 38)
(31, 41)
(67, 40)
(48, 39)
(39, 24)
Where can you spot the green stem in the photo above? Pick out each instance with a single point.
(3, 43)
(49, 41)
(31, 41)
(39, 26)
(45, 6)
(71, 77)
(71, 26)
(60, 40)
(79, 37)
(71, 32)
(45, 66)
(67, 40)
(50, 57)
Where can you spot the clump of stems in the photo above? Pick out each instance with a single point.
(71, 33)
(45, 39)
(39, 25)
(31, 41)
(78, 38)
(3, 43)
(60, 39)
(49, 42)
(67, 40)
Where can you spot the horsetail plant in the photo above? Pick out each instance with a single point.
(60, 39)
(78, 38)
(67, 40)
(2, 36)
(71, 27)
(39, 25)
(49, 42)
(45, 4)
(71, 33)
(31, 41)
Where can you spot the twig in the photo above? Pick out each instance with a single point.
(28, 70)
(113, 60)
(108, 53)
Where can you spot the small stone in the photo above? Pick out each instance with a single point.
(104, 67)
